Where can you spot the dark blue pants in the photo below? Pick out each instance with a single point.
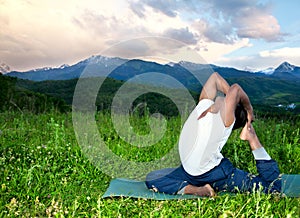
(224, 177)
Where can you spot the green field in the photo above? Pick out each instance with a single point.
(44, 173)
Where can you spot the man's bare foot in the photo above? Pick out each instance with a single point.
(248, 133)
(204, 191)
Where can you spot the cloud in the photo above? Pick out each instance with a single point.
(264, 59)
(260, 26)
(282, 52)
(290, 54)
(138, 8)
(182, 34)
(130, 49)
(212, 33)
(249, 19)
(167, 7)
(224, 21)
(215, 51)
(52, 32)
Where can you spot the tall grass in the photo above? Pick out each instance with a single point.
(44, 173)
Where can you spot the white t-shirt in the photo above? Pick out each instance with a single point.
(201, 141)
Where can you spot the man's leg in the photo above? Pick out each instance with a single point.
(174, 181)
(267, 168)
(168, 180)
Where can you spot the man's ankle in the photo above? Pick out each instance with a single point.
(254, 143)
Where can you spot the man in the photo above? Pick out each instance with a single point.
(203, 169)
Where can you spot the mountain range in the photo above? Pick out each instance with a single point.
(273, 87)
(123, 69)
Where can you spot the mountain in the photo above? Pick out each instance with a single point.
(283, 71)
(285, 67)
(187, 73)
(278, 88)
(4, 68)
(265, 92)
(100, 64)
(157, 74)
(287, 71)
(267, 71)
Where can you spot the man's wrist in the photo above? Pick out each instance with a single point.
(249, 110)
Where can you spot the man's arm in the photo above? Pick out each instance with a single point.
(210, 89)
(235, 96)
(214, 84)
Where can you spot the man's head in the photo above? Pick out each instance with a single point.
(240, 117)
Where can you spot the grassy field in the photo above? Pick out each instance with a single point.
(43, 172)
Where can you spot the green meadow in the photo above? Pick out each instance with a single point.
(45, 173)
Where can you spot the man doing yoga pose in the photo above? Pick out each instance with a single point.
(203, 170)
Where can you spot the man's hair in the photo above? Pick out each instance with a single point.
(240, 117)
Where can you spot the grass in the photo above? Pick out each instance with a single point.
(44, 173)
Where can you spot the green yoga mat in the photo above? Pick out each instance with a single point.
(137, 189)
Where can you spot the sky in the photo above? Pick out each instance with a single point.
(244, 34)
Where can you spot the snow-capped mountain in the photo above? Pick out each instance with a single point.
(250, 69)
(65, 71)
(194, 66)
(283, 70)
(4, 68)
(50, 68)
(268, 71)
(102, 61)
(287, 71)
(64, 66)
(285, 67)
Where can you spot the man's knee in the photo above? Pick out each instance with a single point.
(166, 180)
(154, 175)
(156, 178)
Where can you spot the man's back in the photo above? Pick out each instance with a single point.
(201, 141)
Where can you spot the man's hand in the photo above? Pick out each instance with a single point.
(212, 109)
(204, 113)
(250, 117)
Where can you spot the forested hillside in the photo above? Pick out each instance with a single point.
(15, 97)
(265, 95)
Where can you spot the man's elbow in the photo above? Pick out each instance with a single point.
(216, 76)
(234, 88)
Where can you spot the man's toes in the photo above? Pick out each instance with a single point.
(210, 190)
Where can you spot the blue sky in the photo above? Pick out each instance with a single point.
(289, 20)
(238, 33)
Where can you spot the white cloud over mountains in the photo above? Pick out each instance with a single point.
(52, 32)
(265, 58)
(219, 21)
